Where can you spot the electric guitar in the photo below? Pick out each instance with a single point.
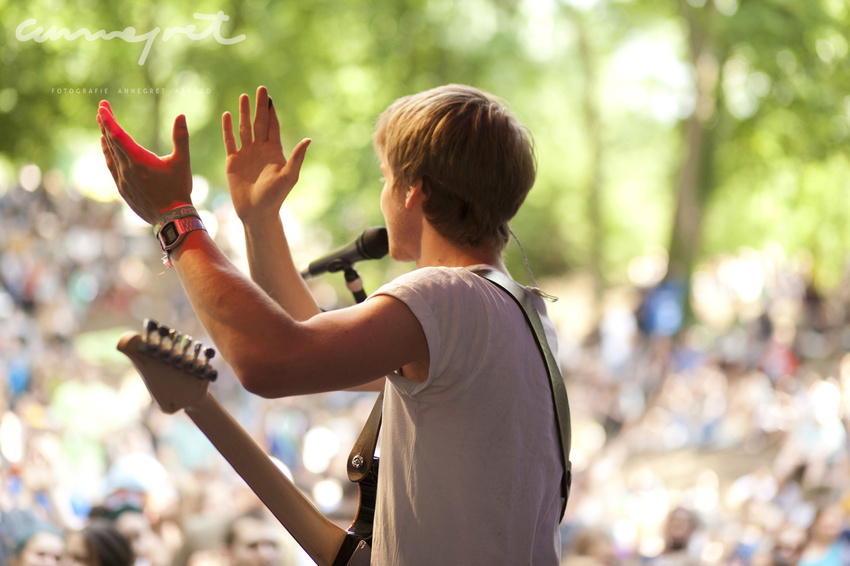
(177, 373)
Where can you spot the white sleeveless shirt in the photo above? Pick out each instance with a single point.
(470, 459)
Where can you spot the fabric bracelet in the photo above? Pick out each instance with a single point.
(181, 211)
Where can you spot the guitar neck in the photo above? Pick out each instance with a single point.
(314, 532)
(176, 379)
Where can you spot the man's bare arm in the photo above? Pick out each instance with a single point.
(273, 269)
(259, 178)
(273, 354)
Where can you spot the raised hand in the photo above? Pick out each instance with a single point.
(258, 175)
(150, 184)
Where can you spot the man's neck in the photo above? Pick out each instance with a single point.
(436, 251)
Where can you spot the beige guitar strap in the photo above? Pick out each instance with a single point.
(360, 459)
(559, 390)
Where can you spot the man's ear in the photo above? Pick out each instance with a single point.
(414, 194)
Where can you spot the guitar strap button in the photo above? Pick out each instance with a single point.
(357, 461)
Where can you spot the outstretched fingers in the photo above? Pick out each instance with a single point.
(180, 138)
(261, 115)
(117, 160)
(296, 158)
(245, 135)
(120, 141)
(104, 142)
(107, 154)
(274, 124)
(111, 124)
(105, 105)
(227, 133)
(119, 153)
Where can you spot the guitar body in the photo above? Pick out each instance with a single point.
(365, 518)
(354, 552)
(356, 549)
(177, 380)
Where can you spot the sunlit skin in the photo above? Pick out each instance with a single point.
(170, 175)
(404, 232)
(790, 542)
(680, 527)
(824, 533)
(413, 238)
(259, 161)
(270, 329)
(42, 549)
(336, 350)
(273, 353)
(259, 178)
(76, 553)
(828, 525)
(255, 544)
(136, 527)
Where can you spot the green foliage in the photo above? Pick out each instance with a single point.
(779, 133)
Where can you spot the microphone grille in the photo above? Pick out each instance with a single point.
(374, 243)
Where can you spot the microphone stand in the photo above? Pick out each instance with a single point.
(362, 466)
(354, 283)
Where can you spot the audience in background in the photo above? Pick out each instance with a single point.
(97, 544)
(736, 424)
(41, 546)
(253, 539)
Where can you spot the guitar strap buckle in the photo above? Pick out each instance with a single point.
(363, 453)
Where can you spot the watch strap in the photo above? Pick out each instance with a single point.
(183, 225)
(180, 211)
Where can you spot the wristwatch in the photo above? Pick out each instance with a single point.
(173, 232)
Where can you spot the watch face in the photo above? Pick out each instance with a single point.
(169, 234)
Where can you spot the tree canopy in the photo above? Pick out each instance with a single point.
(694, 126)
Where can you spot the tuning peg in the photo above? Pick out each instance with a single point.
(169, 343)
(208, 371)
(163, 331)
(180, 352)
(150, 326)
(183, 356)
(175, 337)
(162, 347)
(195, 364)
(178, 349)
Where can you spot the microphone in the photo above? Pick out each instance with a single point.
(371, 244)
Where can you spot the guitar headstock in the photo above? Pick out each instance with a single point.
(175, 367)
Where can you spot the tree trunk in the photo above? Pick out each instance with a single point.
(593, 135)
(694, 180)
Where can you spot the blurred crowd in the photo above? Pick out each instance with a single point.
(711, 436)
(722, 440)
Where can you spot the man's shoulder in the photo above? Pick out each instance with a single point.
(439, 292)
(439, 277)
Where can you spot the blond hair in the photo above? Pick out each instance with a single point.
(475, 160)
